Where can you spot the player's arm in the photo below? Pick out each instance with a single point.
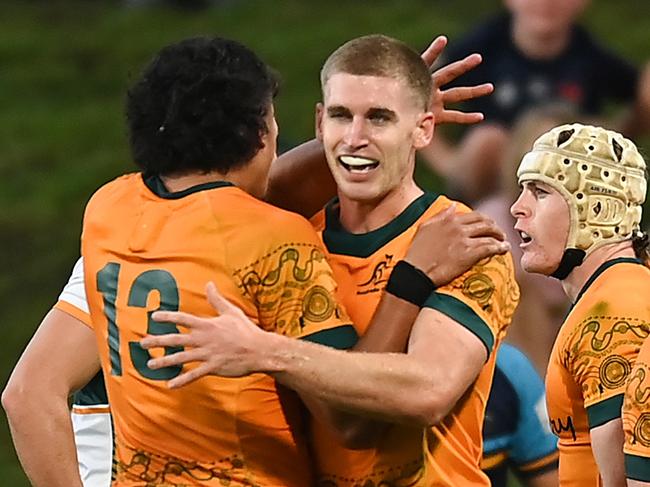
(300, 179)
(420, 387)
(61, 358)
(607, 445)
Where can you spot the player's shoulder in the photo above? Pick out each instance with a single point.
(618, 285)
(267, 221)
(114, 190)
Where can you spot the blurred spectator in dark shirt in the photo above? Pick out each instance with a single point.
(534, 54)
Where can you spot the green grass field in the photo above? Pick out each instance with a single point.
(65, 65)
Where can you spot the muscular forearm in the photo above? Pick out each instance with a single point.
(300, 180)
(371, 384)
(43, 437)
(388, 332)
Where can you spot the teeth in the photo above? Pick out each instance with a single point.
(524, 236)
(355, 161)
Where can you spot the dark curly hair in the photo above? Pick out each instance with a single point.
(200, 105)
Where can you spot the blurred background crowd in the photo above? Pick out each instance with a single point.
(65, 66)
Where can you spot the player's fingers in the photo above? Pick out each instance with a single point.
(485, 228)
(189, 376)
(453, 70)
(464, 93)
(458, 117)
(177, 317)
(431, 53)
(169, 340)
(218, 302)
(487, 247)
(178, 358)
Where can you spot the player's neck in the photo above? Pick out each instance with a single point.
(176, 183)
(366, 216)
(540, 46)
(575, 281)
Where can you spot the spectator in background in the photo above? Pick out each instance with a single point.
(534, 54)
(516, 433)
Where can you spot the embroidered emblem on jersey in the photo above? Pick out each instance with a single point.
(598, 337)
(378, 278)
(479, 287)
(173, 472)
(282, 286)
(318, 305)
(613, 371)
(637, 397)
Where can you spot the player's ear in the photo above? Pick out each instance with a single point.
(319, 121)
(423, 132)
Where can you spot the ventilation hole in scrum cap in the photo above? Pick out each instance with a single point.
(591, 147)
(567, 161)
(564, 136)
(597, 208)
(618, 150)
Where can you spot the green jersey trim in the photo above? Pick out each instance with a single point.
(342, 337)
(93, 393)
(605, 411)
(341, 242)
(637, 468)
(464, 315)
(157, 187)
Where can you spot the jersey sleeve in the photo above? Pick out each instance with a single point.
(72, 299)
(636, 418)
(533, 446)
(293, 288)
(482, 300)
(600, 355)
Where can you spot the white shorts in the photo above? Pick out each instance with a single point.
(93, 434)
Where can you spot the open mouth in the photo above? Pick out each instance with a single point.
(525, 238)
(358, 164)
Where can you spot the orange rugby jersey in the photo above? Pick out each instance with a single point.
(591, 360)
(636, 403)
(146, 249)
(483, 300)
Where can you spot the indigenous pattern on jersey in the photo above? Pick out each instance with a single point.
(145, 249)
(636, 416)
(483, 300)
(591, 360)
(516, 434)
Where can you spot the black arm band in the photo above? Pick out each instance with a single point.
(410, 284)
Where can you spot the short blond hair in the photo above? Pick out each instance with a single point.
(380, 55)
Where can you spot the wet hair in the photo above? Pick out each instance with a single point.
(200, 105)
(641, 246)
(380, 55)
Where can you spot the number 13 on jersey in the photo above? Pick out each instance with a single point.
(139, 290)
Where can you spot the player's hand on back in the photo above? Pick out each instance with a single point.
(221, 345)
(450, 243)
(442, 98)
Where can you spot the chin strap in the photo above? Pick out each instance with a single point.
(571, 258)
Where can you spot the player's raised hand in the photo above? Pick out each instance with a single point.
(450, 243)
(442, 98)
(222, 345)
